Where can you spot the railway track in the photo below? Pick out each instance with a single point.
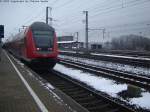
(117, 52)
(90, 99)
(140, 81)
(135, 61)
(127, 53)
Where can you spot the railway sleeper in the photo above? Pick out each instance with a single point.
(102, 107)
(114, 110)
(80, 91)
(71, 89)
(95, 102)
(64, 86)
(76, 95)
(85, 99)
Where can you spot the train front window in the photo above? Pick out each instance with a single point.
(43, 38)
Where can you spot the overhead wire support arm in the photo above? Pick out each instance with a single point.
(103, 30)
(24, 26)
(96, 28)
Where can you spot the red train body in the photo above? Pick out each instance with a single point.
(37, 45)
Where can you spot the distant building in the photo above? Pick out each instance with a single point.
(65, 38)
(95, 45)
(67, 42)
(70, 45)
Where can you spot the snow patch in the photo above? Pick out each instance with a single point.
(111, 65)
(143, 101)
(98, 83)
(105, 85)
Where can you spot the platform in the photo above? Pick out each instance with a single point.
(22, 91)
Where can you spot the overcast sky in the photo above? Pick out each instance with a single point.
(118, 17)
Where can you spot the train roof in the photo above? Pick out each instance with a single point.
(41, 26)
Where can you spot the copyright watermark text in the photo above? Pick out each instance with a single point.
(23, 1)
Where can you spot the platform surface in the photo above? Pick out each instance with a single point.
(16, 96)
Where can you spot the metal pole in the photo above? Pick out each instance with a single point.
(19, 30)
(46, 15)
(77, 42)
(122, 4)
(86, 29)
(103, 33)
(51, 19)
(77, 36)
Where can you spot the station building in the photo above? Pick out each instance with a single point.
(68, 42)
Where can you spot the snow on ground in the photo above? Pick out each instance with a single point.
(143, 101)
(108, 86)
(99, 83)
(111, 65)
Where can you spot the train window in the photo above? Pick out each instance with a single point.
(43, 32)
(43, 38)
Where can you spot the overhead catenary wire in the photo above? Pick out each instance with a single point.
(146, 1)
(39, 13)
(116, 8)
(96, 15)
(109, 9)
(101, 9)
(60, 8)
(97, 9)
(29, 19)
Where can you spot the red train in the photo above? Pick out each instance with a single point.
(37, 45)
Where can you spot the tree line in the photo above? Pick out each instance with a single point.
(131, 42)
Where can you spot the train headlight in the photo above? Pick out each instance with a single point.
(49, 49)
(38, 49)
